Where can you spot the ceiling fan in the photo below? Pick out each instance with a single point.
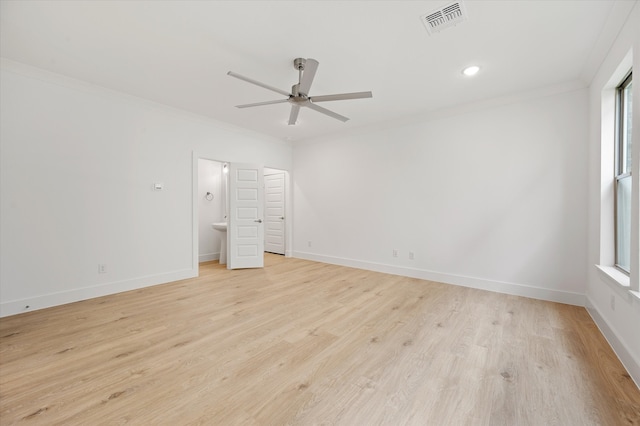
(299, 96)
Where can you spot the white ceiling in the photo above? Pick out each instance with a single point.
(178, 52)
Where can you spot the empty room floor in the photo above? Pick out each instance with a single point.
(307, 343)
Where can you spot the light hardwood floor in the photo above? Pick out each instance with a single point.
(307, 343)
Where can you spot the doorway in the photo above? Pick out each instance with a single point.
(274, 196)
(283, 234)
(211, 208)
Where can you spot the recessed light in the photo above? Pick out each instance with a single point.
(472, 70)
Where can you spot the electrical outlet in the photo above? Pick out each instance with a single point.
(395, 252)
(102, 268)
(410, 255)
(613, 302)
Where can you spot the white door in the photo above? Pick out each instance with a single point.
(245, 229)
(274, 213)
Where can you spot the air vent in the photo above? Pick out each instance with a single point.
(445, 17)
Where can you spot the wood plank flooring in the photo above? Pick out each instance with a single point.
(305, 343)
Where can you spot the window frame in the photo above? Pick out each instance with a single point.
(621, 154)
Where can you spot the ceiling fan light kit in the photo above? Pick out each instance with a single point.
(299, 95)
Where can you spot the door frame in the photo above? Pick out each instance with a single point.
(270, 172)
(288, 210)
(195, 220)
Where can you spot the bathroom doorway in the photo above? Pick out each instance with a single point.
(206, 211)
(211, 208)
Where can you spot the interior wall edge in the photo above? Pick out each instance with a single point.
(43, 301)
(514, 289)
(619, 347)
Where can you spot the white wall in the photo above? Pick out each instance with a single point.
(209, 209)
(77, 167)
(620, 321)
(489, 197)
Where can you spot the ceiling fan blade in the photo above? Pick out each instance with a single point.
(327, 112)
(309, 72)
(293, 117)
(341, 96)
(257, 83)
(279, 101)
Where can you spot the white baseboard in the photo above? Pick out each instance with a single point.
(624, 355)
(551, 295)
(54, 299)
(208, 257)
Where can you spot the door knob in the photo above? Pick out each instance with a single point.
(258, 220)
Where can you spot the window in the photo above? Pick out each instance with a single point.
(618, 263)
(623, 175)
